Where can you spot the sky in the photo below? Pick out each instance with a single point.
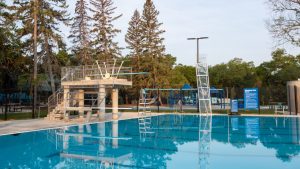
(236, 28)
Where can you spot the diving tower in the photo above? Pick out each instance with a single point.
(84, 90)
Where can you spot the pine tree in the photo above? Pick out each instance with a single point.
(50, 13)
(134, 39)
(103, 30)
(153, 47)
(80, 33)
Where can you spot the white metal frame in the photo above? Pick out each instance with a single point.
(204, 100)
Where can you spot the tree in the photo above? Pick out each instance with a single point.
(153, 47)
(275, 74)
(235, 73)
(80, 33)
(285, 25)
(104, 31)
(50, 13)
(12, 62)
(188, 72)
(134, 39)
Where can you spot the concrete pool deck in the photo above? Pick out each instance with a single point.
(19, 126)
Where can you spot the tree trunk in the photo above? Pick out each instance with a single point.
(50, 66)
(52, 82)
(35, 60)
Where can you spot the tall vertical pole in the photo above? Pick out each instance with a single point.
(35, 59)
(197, 39)
(198, 110)
(197, 51)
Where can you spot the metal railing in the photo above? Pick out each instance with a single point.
(54, 100)
(98, 71)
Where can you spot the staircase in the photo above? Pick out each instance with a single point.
(56, 105)
(144, 113)
(204, 100)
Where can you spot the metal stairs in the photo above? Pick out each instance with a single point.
(144, 113)
(59, 103)
(55, 106)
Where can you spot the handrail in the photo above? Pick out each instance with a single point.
(96, 71)
(54, 100)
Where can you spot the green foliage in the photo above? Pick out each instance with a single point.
(104, 31)
(275, 73)
(80, 33)
(189, 74)
(235, 73)
(147, 49)
(50, 13)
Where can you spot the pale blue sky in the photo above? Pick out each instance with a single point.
(236, 28)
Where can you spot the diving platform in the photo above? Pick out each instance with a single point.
(84, 89)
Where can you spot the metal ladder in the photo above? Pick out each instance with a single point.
(144, 114)
(204, 100)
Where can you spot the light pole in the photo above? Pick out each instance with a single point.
(197, 39)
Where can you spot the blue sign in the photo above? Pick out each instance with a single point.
(251, 100)
(234, 106)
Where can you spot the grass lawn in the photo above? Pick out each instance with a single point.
(21, 116)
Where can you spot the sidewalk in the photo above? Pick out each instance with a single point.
(17, 126)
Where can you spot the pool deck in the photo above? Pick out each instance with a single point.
(20, 126)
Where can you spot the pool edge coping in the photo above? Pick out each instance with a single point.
(72, 125)
(156, 114)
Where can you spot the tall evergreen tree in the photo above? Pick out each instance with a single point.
(80, 32)
(103, 29)
(50, 13)
(153, 47)
(134, 39)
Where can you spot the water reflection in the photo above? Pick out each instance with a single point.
(278, 133)
(205, 129)
(173, 141)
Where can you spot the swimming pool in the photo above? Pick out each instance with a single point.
(173, 141)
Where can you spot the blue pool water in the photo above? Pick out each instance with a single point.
(175, 141)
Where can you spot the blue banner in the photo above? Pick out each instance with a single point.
(251, 100)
